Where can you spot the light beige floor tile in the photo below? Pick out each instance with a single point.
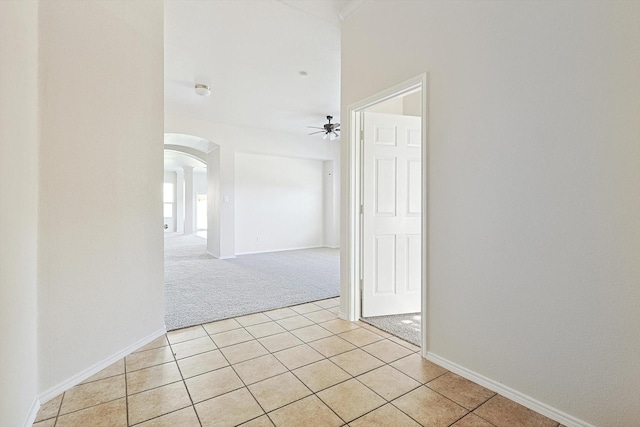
(388, 382)
(253, 319)
(335, 310)
(155, 376)
(338, 326)
(229, 409)
(186, 334)
(213, 384)
(405, 344)
(350, 399)
(110, 414)
(262, 421)
(472, 420)
(356, 361)
(418, 368)
(296, 322)
(320, 375)
(385, 416)
(47, 423)
(373, 329)
(157, 343)
(182, 418)
(93, 393)
(321, 316)
(244, 351)
(236, 336)
(462, 391)
(503, 412)
(221, 326)
(265, 329)
(360, 337)
(279, 342)
(144, 359)
(311, 333)
(192, 347)
(158, 401)
(49, 409)
(278, 391)
(296, 357)
(327, 303)
(281, 313)
(331, 346)
(201, 363)
(309, 411)
(429, 408)
(110, 371)
(259, 369)
(386, 350)
(306, 308)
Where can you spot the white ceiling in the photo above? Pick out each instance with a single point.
(251, 52)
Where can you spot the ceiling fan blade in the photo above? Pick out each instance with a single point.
(315, 127)
(334, 132)
(313, 133)
(336, 125)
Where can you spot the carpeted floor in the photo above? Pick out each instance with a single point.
(405, 326)
(200, 288)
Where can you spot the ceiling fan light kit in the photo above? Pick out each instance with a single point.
(202, 89)
(330, 130)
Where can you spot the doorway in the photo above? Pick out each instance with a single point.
(388, 208)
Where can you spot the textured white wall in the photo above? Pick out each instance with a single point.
(18, 209)
(279, 203)
(101, 168)
(534, 187)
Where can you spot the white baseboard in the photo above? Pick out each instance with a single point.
(81, 376)
(280, 250)
(33, 412)
(516, 396)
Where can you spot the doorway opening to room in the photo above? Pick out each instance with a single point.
(388, 212)
(258, 233)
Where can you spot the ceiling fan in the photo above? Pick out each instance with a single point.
(330, 130)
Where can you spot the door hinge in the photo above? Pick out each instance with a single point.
(362, 135)
(361, 209)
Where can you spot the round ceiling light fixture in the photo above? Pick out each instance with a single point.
(202, 89)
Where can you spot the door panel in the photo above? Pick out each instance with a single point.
(392, 197)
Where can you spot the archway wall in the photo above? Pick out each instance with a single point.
(227, 140)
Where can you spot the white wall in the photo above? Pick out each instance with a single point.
(534, 187)
(18, 210)
(100, 254)
(279, 203)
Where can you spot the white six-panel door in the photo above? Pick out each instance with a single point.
(392, 198)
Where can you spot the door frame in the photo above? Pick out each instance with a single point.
(353, 303)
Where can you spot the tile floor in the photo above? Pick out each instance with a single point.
(297, 366)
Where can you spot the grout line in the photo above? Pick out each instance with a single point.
(184, 382)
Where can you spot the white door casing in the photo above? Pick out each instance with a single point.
(391, 221)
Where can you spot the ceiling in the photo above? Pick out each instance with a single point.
(251, 53)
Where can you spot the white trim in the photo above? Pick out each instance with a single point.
(33, 412)
(281, 250)
(509, 393)
(353, 225)
(83, 375)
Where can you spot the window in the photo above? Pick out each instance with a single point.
(167, 196)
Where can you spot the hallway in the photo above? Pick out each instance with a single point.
(296, 366)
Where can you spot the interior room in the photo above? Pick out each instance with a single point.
(530, 191)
